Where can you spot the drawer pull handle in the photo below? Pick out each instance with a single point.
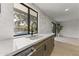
(33, 50)
(45, 48)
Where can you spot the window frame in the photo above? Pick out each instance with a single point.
(28, 19)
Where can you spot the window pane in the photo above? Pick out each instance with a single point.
(33, 22)
(20, 19)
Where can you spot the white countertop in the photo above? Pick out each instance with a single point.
(13, 46)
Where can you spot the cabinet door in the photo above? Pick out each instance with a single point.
(48, 46)
(39, 51)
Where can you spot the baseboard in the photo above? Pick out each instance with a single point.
(68, 37)
(70, 40)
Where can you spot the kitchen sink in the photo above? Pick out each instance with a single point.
(34, 37)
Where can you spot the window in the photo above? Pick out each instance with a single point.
(25, 20)
(33, 21)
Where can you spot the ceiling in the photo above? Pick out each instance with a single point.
(57, 11)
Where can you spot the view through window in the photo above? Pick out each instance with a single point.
(25, 20)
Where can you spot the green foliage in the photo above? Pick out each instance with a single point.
(59, 28)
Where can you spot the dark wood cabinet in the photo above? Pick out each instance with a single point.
(39, 49)
(49, 45)
(44, 48)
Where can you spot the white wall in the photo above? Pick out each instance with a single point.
(6, 21)
(44, 24)
(71, 29)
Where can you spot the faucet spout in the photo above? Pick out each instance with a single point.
(32, 32)
(32, 28)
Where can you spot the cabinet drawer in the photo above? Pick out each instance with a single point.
(24, 52)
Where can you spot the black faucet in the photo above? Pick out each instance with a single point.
(32, 27)
(32, 31)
